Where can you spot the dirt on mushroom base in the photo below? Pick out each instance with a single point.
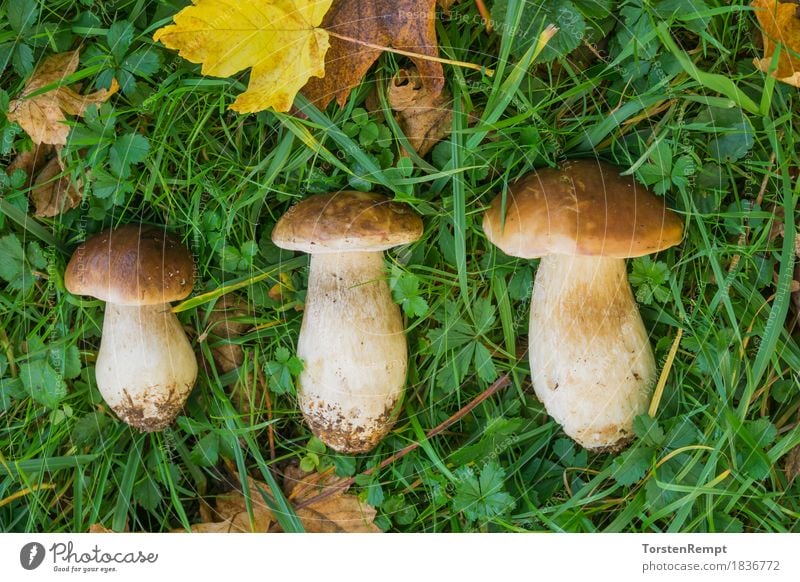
(331, 426)
(167, 408)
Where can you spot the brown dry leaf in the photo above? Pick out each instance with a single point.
(408, 25)
(446, 5)
(51, 195)
(340, 512)
(223, 326)
(100, 528)
(230, 513)
(779, 23)
(246, 393)
(791, 465)
(42, 116)
(31, 162)
(424, 116)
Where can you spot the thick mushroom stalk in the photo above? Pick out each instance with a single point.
(146, 367)
(351, 340)
(353, 346)
(591, 362)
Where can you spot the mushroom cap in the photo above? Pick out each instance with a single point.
(347, 221)
(586, 208)
(136, 264)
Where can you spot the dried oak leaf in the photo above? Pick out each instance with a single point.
(408, 25)
(42, 116)
(280, 39)
(424, 117)
(779, 24)
(339, 512)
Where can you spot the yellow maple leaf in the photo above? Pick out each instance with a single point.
(280, 39)
(779, 24)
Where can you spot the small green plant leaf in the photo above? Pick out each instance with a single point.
(632, 465)
(482, 497)
(43, 383)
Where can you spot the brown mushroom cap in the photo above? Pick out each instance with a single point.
(346, 221)
(586, 208)
(133, 265)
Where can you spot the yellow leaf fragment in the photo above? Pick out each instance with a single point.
(779, 23)
(280, 39)
(42, 115)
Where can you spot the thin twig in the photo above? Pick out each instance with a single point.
(333, 489)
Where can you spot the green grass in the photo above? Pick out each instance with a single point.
(711, 460)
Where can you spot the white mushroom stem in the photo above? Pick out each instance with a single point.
(354, 351)
(591, 361)
(145, 366)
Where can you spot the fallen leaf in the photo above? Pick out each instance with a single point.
(43, 115)
(281, 290)
(424, 116)
(100, 528)
(50, 195)
(408, 25)
(779, 23)
(246, 394)
(53, 195)
(280, 39)
(340, 512)
(31, 162)
(446, 5)
(224, 329)
(792, 465)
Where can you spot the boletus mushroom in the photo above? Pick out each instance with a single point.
(352, 340)
(145, 366)
(591, 361)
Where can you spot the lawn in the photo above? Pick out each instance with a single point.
(664, 89)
